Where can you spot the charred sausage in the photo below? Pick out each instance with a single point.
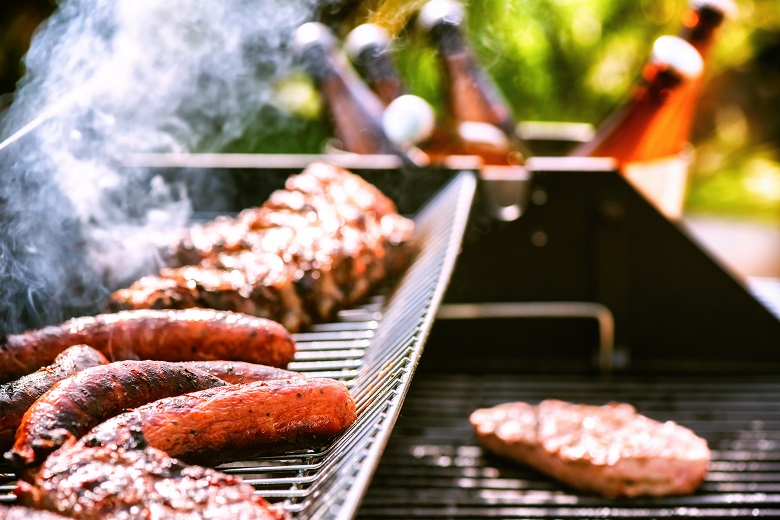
(165, 335)
(17, 396)
(236, 421)
(235, 372)
(74, 405)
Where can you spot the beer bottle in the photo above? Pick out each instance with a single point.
(700, 24)
(355, 111)
(368, 45)
(701, 21)
(407, 120)
(482, 119)
(638, 130)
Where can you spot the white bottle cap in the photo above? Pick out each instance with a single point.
(408, 120)
(364, 36)
(312, 33)
(679, 55)
(436, 12)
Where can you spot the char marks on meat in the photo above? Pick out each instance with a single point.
(610, 449)
(235, 372)
(165, 335)
(17, 396)
(236, 422)
(320, 244)
(25, 513)
(71, 407)
(110, 483)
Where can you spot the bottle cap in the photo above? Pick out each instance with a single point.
(312, 33)
(727, 7)
(408, 120)
(437, 12)
(678, 55)
(365, 36)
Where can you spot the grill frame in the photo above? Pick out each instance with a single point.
(374, 348)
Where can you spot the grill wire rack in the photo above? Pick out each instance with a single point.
(374, 348)
(434, 467)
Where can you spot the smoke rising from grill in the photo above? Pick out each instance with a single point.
(107, 78)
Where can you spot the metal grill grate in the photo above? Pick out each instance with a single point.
(374, 349)
(433, 466)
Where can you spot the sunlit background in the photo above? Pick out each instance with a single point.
(554, 60)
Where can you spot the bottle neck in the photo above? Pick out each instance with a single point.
(355, 111)
(700, 27)
(659, 82)
(472, 98)
(380, 73)
(631, 134)
(449, 38)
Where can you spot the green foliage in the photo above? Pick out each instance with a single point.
(576, 60)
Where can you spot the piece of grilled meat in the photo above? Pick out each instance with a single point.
(320, 244)
(235, 372)
(235, 422)
(17, 396)
(71, 407)
(110, 483)
(166, 335)
(610, 449)
(25, 513)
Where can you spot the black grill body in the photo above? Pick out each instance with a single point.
(617, 303)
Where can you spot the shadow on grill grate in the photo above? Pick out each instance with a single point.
(433, 466)
(374, 349)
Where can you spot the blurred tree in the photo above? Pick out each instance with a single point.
(576, 60)
(554, 60)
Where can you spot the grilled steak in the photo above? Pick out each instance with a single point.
(17, 396)
(77, 403)
(225, 424)
(184, 335)
(110, 483)
(320, 244)
(607, 449)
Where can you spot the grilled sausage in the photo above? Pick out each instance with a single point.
(236, 421)
(165, 335)
(235, 372)
(74, 405)
(17, 396)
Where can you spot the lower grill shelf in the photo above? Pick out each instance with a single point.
(433, 466)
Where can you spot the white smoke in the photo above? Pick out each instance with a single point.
(109, 78)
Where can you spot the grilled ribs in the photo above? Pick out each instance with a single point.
(320, 244)
(107, 482)
(610, 449)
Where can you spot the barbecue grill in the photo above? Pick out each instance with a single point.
(374, 348)
(590, 296)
